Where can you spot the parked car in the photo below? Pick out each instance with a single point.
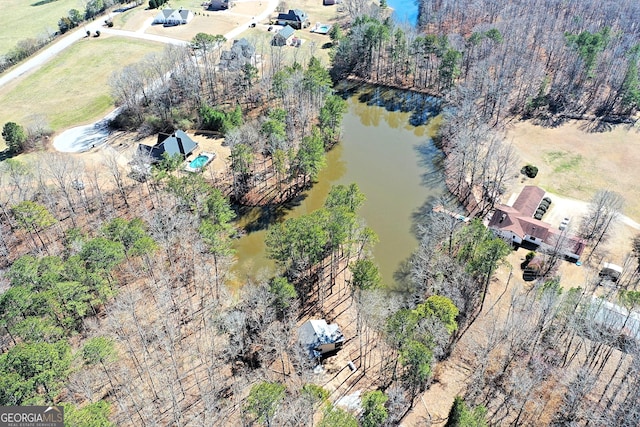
(564, 223)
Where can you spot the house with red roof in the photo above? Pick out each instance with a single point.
(517, 226)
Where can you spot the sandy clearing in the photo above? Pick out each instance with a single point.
(220, 164)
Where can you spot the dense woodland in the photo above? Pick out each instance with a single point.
(115, 295)
(544, 59)
(493, 62)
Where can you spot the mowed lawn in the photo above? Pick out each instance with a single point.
(30, 18)
(73, 88)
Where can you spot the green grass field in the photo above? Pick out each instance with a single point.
(562, 161)
(31, 18)
(73, 88)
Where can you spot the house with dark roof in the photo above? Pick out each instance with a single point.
(219, 5)
(173, 17)
(283, 37)
(529, 200)
(296, 18)
(516, 225)
(172, 144)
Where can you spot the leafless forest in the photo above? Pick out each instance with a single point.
(545, 59)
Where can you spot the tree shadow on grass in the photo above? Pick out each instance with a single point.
(596, 126)
(43, 2)
(6, 154)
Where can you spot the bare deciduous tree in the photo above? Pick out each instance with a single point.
(604, 209)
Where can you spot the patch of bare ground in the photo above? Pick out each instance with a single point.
(208, 23)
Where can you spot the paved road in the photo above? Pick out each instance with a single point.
(36, 61)
(83, 138)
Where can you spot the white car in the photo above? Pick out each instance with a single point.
(564, 223)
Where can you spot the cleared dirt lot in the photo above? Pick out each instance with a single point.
(209, 23)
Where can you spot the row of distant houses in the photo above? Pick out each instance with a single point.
(294, 19)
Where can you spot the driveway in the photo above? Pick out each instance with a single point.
(37, 60)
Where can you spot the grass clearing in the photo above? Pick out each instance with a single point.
(31, 18)
(73, 88)
(575, 163)
(562, 161)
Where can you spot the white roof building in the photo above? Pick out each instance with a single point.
(173, 17)
(320, 338)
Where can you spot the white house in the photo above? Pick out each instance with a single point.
(173, 17)
(320, 338)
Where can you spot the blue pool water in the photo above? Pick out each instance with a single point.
(199, 162)
(404, 10)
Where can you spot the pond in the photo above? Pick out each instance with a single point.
(404, 10)
(387, 150)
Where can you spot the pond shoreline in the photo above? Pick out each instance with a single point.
(376, 137)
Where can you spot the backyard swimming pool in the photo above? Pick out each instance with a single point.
(321, 28)
(200, 162)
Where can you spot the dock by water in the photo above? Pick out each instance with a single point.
(459, 217)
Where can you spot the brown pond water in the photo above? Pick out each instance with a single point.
(393, 162)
